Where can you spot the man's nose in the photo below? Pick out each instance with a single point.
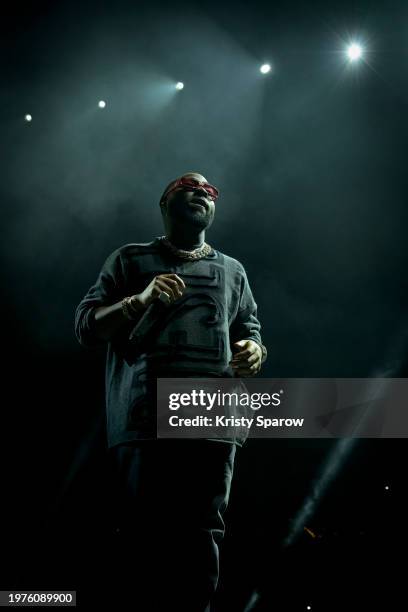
(201, 191)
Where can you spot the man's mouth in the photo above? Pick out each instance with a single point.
(199, 203)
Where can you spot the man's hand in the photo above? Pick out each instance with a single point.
(109, 320)
(170, 284)
(246, 362)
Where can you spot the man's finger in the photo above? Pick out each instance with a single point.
(241, 346)
(173, 290)
(246, 366)
(176, 278)
(246, 353)
(253, 358)
(243, 354)
(244, 357)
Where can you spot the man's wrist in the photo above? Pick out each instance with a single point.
(131, 307)
(136, 303)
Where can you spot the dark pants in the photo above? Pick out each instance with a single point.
(173, 497)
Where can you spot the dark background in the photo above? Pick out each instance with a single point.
(310, 161)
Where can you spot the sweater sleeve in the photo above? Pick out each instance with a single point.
(108, 289)
(246, 325)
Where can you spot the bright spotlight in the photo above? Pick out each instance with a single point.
(179, 85)
(28, 118)
(101, 103)
(265, 68)
(354, 52)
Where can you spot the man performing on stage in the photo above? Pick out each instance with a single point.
(175, 491)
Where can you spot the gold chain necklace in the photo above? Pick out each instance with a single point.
(198, 253)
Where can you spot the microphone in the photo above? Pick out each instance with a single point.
(152, 314)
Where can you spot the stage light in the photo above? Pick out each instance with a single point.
(28, 118)
(265, 68)
(101, 103)
(354, 52)
(179, 85)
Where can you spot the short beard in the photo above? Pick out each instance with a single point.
(199, 222)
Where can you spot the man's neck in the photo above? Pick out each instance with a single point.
(187, 241)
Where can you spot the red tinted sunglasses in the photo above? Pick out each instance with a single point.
(190, 184)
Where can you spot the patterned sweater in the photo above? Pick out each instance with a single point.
(190, 338)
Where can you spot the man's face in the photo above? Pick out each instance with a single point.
(191, 207)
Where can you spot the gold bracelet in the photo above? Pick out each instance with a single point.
(127, 309)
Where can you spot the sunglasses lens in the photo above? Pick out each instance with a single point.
(193, 184)
(212, 192)
(190, 183)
